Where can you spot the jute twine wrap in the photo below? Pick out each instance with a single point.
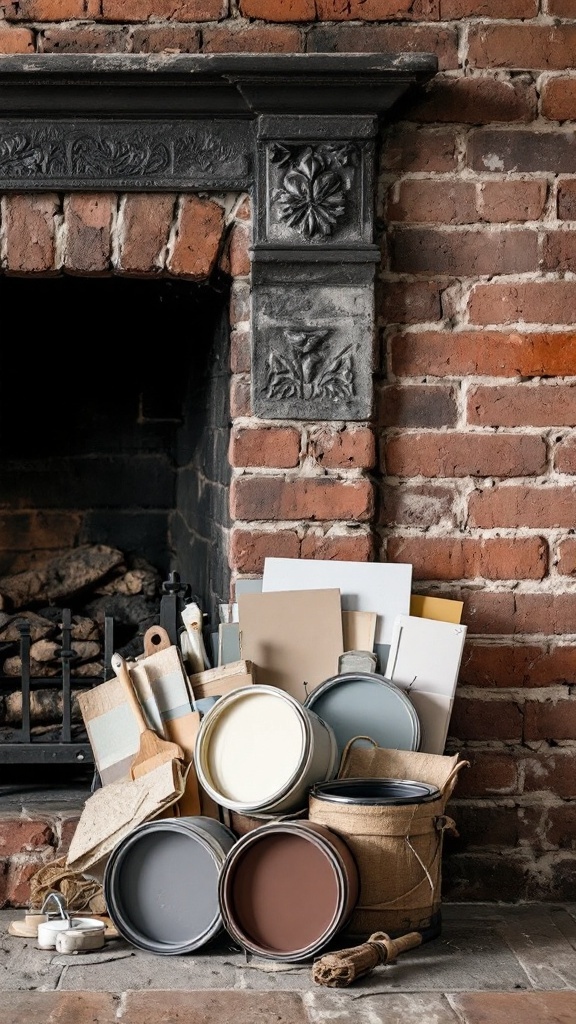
(398, 849)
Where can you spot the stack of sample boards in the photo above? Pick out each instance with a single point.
(298, 620)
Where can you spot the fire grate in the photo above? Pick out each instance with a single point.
(63, 743)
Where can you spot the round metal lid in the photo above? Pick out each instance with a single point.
(367, 704)
(375, 791)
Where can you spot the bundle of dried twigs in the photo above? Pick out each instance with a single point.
(337, 970)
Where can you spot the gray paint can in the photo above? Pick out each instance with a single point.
(161, 883)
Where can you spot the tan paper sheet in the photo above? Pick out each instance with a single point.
(293, 637)
(359, 630)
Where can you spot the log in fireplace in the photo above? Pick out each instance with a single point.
(298, 134)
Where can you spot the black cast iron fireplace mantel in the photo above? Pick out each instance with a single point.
(297, 131)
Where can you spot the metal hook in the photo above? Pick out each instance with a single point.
(60, 902)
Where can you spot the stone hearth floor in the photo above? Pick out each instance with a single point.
(492, 964)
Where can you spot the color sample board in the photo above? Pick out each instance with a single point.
(381, 587)
(294, 638)
(439, 608)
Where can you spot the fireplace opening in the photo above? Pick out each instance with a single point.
(114, 425)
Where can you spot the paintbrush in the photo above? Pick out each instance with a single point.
(153, 751)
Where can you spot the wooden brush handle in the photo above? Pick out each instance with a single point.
(394, 947)
(121, 669)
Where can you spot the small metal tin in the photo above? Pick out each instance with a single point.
(375, 791)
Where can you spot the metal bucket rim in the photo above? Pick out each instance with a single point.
(208, 724)
(328, 791)
(114, 866)
(332, 854)
(368, 677)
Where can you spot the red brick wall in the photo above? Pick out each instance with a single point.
(469, 474)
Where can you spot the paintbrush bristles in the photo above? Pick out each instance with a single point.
(337, 970)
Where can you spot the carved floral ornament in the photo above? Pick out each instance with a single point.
(312, 194)
(308, 371)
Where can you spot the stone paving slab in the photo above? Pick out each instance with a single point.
(520, 1008)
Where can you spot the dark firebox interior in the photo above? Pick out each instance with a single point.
(114, 407)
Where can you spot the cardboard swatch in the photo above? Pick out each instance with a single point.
(359, 629)
(438, 608)
(214, 682)
(294, 638)
(434, 712)
(381, 587)
(112, 729)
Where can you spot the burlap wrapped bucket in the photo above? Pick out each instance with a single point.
(398, 848)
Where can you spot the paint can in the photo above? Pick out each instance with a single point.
(366, 704)
(161, 883)
(259, 749)
(287, 889)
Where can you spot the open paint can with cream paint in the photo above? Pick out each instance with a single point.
(161, 883)
(287, 889)
(259, 749)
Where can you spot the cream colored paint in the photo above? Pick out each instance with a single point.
(255, 747)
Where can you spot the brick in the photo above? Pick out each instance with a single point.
(315, 498)
(227, 1007)
(43, 530)
(558, 98)
(561, 828)
(356, 547)
(421, 149)
(491, 825)
(182, 10)
(454, 454)
(18, 835)
(527, 613)
(488, 9)
(240, 396)
(376, 10)
(29, 228)
(517, 506)
(158, 38)
(88, 232)
(274, 447)
(522, 151)
(421, 505)
(387, 39)
(242, 38)
(539, 302)
(493, 353)
(432, 202)
(477, 876)
(38, 1007)
(567, 558)
(517, 665)
(562, 8)
(89, 39)
(476, 101)
(347, 448)
(240, 352)
(67, 831)
(249, 548)
(515, 1007)
(476, 719)
(559, 251)
(408, 302)
(565, 456)
(550, 719)
(240, 302)
(51, 10)
(239, 242)
(197, 243)
(144, 232)
(463, 253)
(542, 47)
(567, 199)
(489, 774)
(17, 40)
(17, 882)
(447, 558)
(417, 406)
(502, 201)
(279, 10)
(551, 771)
(519, 405)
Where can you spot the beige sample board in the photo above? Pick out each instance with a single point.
(293, 637)
(112, 729)
(381, 587)
(359, 630)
